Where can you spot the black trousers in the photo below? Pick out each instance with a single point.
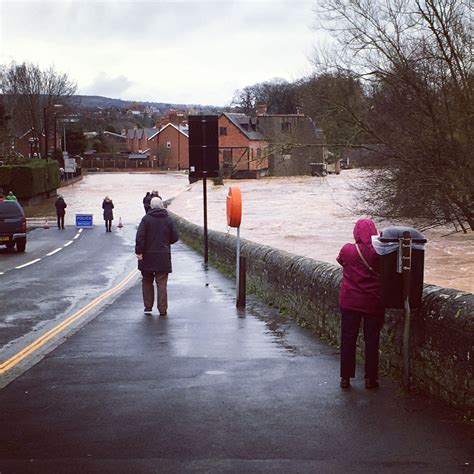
(108, 225)
(350, 324)
(60, 221)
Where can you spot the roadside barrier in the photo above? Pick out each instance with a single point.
(307, 290)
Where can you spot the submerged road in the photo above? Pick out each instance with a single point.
(207, 389)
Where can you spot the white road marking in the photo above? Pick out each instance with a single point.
(69, 243)
(80, 230)
(29, 263)
(53, 252)
(76, 236)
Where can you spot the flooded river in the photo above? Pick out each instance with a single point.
(308, 216)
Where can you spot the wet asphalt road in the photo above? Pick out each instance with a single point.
(65, 269)
(207, 389)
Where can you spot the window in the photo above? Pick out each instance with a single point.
(168, 144)
(222, 130)
(286, 127)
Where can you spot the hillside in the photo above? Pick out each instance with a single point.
(94, 101)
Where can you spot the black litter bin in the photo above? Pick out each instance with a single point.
(387, 245)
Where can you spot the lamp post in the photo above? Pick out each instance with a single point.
(45, 133)
(45, 120)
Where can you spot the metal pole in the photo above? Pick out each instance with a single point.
(179, 151)
(45, 134)
(204, 192)
(237, 265)
(406, 275)
(55, 131)
(242, 282)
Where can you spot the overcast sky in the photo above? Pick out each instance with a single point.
(178, 51)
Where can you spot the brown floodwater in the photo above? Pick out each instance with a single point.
(307, 216)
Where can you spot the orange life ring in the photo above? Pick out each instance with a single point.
(234, 207)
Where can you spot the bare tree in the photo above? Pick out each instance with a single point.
(27, 89)
(327, 97)
(413, 58)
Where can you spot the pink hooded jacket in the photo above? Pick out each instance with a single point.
(360, 288)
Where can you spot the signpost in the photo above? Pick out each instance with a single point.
(203, 157)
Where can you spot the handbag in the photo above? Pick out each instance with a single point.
(365, 261)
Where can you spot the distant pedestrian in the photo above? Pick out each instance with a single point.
(155, 193)
(11, 196)
(155, 235)
(146, 202)
(107, 206)
(61, 173)
(360, 300)
(60, 211)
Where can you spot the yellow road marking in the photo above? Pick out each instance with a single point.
(41, 341)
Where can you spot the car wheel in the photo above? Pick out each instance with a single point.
(10, 245)
(20, 245)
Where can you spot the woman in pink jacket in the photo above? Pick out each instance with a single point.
(360, 300)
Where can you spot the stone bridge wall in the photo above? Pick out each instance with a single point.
(442, 333)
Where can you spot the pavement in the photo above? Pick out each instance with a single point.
(211, 388)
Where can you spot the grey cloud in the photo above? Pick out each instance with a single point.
(108, 86)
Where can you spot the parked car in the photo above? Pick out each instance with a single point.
(12, 225)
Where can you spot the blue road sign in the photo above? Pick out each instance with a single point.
(84, 221)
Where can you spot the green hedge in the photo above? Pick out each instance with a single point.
(30, 179)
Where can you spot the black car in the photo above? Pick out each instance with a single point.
(12, 225)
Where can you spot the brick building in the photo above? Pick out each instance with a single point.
(168, 145)
(249, 146)
(294, 140)
(243, 151)
(171, 147)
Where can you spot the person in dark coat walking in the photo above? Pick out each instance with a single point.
(146, 202)
(155, 235)
(360, 300)
(60, 211)
(107, 206)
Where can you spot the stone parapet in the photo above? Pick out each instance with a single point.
(442, 333)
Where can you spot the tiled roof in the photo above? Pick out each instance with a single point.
(149, 132)
(116, 135)
(183, 130)
(241, 121)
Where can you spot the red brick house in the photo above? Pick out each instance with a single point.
(243, 150)
(172, 147)
(168, 145)
(138, 139)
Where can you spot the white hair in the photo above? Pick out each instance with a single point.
(156, 202)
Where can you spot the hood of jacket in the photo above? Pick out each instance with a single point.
(158, 212)
(364, 229)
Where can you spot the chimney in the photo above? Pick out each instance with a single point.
(173, 117)
(261, 109)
